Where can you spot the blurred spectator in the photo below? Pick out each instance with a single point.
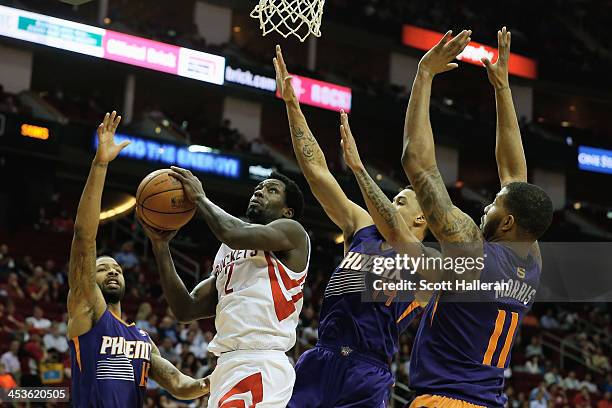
(12, 287)
(142, 289)
(167, 351)
(189, 364)
(538, 401)
(548, 321)
(38, 321)
(7, 263)
(10, 359)
(167, 328)
(540, 390)
(582, 399)
(208, 337)
(192, 327)
(606, 401)
(599, 361)
(558, 397)
(150, 326)
(55, 340)
(12, 320)
(606, 385)
(571, 382)
(126, 257)
(37, 285)
(208, 367)
(569, 319)
(143, 313)
(62, 326)
(534, 348)
(193, 343)
(588, 383)
(26, 265)
(553, 377)
(6, 379)
(31, 354)
(532, 366)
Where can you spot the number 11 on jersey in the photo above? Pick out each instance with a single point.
(494, 339)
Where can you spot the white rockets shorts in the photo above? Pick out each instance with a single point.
(251, 378)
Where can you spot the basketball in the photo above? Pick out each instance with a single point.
(161, 201)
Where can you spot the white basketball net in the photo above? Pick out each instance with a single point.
(290, 17)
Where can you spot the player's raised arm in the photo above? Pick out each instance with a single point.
(201, 302)
(85, 301)
(448, 224)
(171, 379)
(347, 215)
(283, 234)
(386, 216)
(509, 153)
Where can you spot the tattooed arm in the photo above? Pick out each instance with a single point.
(347, 215)
(171, 379)
(389, 222)
(456, 231)
(385, 215)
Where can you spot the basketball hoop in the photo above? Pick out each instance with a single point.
(290, 17)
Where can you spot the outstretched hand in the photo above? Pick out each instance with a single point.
(498, 72)
(349, 147)
(438, 59)
(283, 78)
(107, 149)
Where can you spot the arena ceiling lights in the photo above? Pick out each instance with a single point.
(424, 39)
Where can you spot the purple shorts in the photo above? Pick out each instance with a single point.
(340, 377)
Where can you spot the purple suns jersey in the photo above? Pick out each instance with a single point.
(110, 364)
(364, 326)
(462, 347)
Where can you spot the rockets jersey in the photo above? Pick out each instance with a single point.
(463, 343)
(260, 301)
(110, 364)
(366, 322)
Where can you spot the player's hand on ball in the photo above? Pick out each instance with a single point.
(283, 79)
(438, 59)
(191, 184)
(155, 235)
(349, 147)
(107, 149)
(498, 72)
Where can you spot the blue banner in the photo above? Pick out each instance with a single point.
(173, 155)
(593, 159)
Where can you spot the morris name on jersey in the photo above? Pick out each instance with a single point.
(518, 290)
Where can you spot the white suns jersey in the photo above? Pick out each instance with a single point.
(260, 301)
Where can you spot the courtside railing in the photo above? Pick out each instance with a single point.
(183, 263)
